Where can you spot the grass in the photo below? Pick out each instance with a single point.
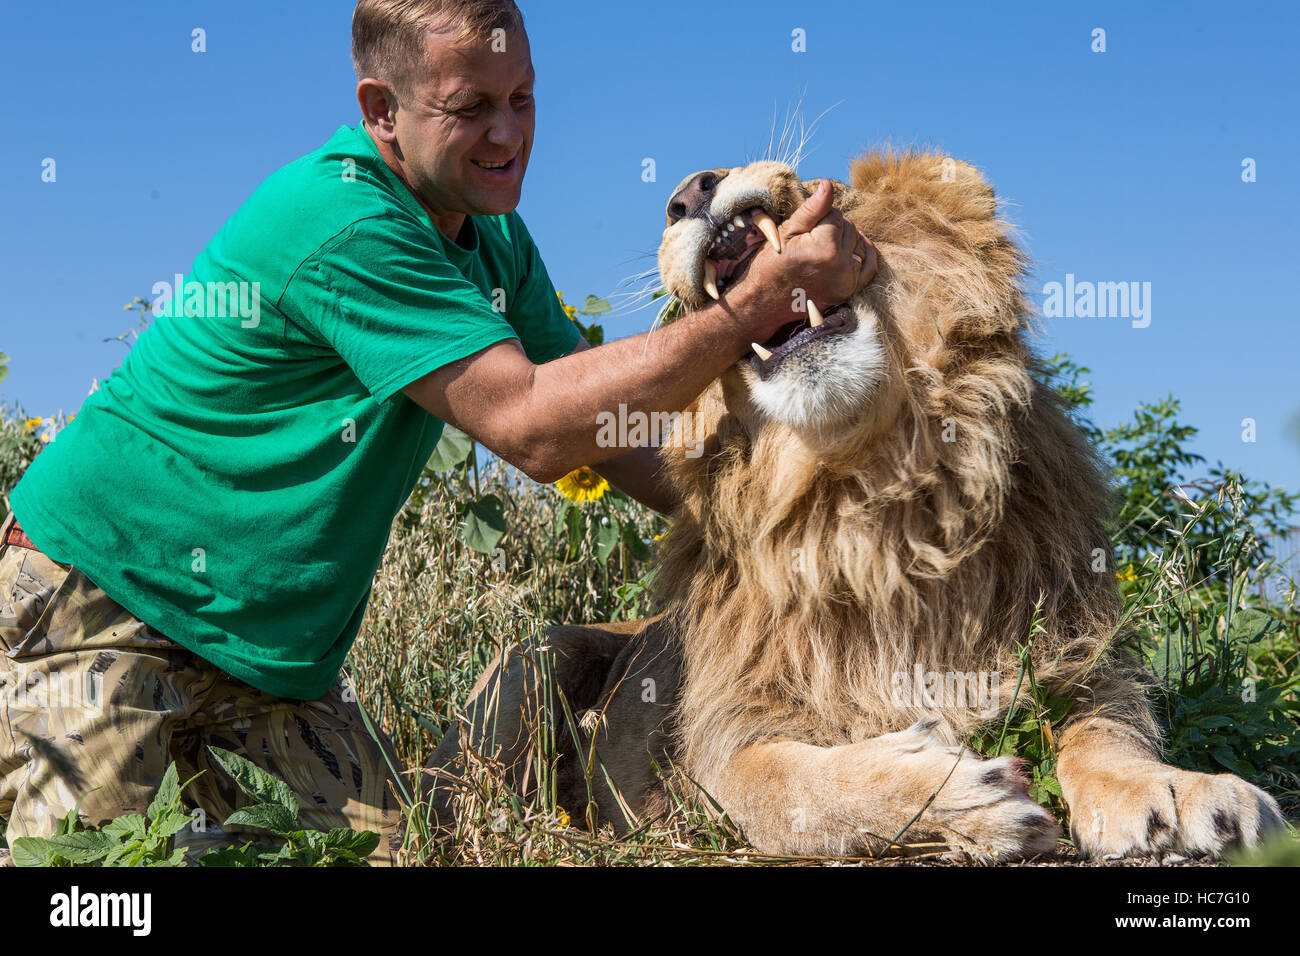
(1224, 662)
(1224, 659)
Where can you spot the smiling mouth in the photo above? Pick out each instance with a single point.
(495, 167)
(793, 336)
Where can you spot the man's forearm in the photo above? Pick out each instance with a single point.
(639, 474)
(659, 371)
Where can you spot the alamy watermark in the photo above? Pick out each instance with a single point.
(636, 429)
(1103, 300)
(973, 690)
(214, 300)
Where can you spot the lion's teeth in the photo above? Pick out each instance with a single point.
(711, 280)
(761, 352)
(814, 314)
(738, 221)
(767, 226)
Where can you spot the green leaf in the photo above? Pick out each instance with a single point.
(484, 523)
(231, 856)
(264, 816)
(563, 516)
(606, 540)
(177, 858)
(70, 823)
(360, 842)
(451, 451)
(573, 522)
(256, 782)
(594, 306)
(169, 793)
(33, 851)
(132, 825)
(84, 847)
(171, 823)
(1230, 760)
(1252, 625)
(635, 545)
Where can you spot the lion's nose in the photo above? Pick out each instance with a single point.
(694, 196)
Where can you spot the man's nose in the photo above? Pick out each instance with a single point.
(506, 130)
(693, 197)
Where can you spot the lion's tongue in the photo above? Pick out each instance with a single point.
(728, 267)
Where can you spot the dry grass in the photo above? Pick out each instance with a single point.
(438, 613)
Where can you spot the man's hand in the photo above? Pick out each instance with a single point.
(822, 253)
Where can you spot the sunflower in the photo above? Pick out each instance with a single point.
(570, 310)
(582, 485)
(32, 423)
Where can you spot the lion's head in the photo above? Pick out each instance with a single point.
(948, 271)
(891, 488)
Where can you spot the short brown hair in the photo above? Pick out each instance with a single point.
(388, 36)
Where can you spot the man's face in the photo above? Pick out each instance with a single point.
(472, 114)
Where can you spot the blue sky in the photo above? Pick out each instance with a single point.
(1117, 166)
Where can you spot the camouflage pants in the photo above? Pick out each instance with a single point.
(94, 704)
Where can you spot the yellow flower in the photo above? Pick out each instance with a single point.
(562, 816)
(1128, 574)
(570, 310)
(582, 485)
(32, 423)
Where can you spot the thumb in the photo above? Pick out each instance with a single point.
(812, 211)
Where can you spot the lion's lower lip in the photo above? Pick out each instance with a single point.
(795, 335)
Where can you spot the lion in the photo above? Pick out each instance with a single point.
(885, 490)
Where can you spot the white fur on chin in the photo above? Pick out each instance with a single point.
(825, 381)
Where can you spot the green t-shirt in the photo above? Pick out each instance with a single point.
(233, 484)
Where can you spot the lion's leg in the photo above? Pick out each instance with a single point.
(631, 725)
(1124, 801)
(513, 698)
(794, 798)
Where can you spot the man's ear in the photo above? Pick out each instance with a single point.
(378, 108)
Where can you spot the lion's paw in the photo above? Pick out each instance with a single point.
(1156, 810)
(982, 808)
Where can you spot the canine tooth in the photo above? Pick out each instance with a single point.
(711, 280)
(761, 352)
(767, 226)
(738, 221)
(814, 314)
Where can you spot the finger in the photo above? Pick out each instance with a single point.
(811, 212)
(848, 237)
(868, 263)
(831, 229)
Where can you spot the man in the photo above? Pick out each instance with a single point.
(199, 544)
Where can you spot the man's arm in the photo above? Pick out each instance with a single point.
(637, 473)
(542, 418)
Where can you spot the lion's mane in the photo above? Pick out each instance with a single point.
(803, 575)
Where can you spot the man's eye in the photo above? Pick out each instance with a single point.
(471, 110)
(523, 99)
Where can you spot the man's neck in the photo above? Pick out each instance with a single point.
(450, 224)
